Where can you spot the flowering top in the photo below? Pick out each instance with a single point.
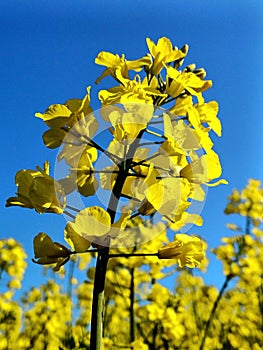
(158, 151)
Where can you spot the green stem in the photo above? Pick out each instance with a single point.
(103, 256)
(248, 224)
(69, 214)
(151, 143)
(72, 208)
(70, 277)
(132, 299)
(98, 299)
(115, 159)
(154, 333)
(212, 314)
(141, 162)
(123, 255)
(155, 134)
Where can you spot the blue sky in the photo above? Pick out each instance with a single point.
(47, 56)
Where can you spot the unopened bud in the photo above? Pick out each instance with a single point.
(190, 68)
(200, 72)
(185, 49)
(146, 69)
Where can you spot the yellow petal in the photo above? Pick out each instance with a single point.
(197, 192)
(45, 247)
(24, 180)
(120, 224)
(53, 138)
(92, 222)
(47, 195)
(208, 114)
(166, 195)
(89, 187)
(77, 242)
(219, 182)
(55, 116)
(203, 169)
(193, 117)
(185, 219)
(107, 59)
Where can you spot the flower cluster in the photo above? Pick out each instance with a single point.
(159, 152)
(12, 269)
(12, 263)
(248, 202)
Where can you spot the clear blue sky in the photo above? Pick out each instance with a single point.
(47, 56)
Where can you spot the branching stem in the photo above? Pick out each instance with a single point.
(103, 254)
(124, 255)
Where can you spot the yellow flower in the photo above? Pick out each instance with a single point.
(48, 252)
(128, 125)
(62, 117)
(131, 91)
(208, 114)
(38, 190)
(138, 344)
(204, 169)
(118, 67)
(179, 82)
(12, 261)
(81, 175)
(248, 202)
(92, 222)
(171, 146)
(92, 225)
(75, 240)
(163, 52)
(187, 250)
(67, 114)
(165, 196)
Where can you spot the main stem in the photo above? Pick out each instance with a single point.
(98, 299)
(103, 254)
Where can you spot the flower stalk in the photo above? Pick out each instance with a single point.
(103, 256)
